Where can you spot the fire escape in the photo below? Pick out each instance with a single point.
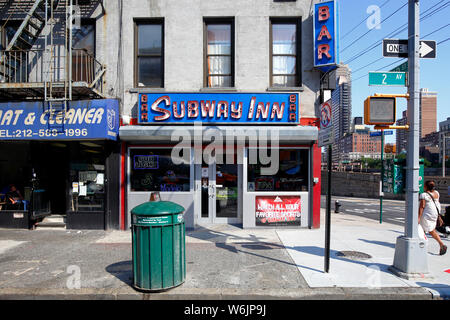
(38, 62)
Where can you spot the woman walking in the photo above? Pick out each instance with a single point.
(429, 210)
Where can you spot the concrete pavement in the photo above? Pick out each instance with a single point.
(223, 262)
(375, 244)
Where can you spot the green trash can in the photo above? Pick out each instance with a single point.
(158, 239)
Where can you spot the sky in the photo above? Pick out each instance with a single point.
(357, 33)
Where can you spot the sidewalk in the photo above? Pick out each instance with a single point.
(222, 261)
(350, 233)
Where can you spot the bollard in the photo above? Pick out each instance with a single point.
(337, 205)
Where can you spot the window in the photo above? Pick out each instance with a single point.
(149, 63)
(219, 53)
(292, 174)
(155, 170)
(83, 53)
(86, 189)
(285, 69)
(7, 33)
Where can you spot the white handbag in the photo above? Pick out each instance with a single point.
(421, 233)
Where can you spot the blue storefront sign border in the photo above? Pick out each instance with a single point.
(83, 120)
(219, 108)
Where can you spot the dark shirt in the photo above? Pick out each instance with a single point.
(13, 195)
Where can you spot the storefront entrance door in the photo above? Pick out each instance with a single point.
(219, 193)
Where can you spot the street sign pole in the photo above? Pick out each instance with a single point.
(410, 260)
(382, 176)
(328, 217)
(443, 156)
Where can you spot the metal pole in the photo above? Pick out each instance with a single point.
(382, 176)
(412, 162)
(410, 260)
(328, 216)
(443, 156)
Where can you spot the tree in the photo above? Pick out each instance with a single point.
(371, 163)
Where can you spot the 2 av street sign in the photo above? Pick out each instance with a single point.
(387, 78)
(398, 48)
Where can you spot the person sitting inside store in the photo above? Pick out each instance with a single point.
(14, 197)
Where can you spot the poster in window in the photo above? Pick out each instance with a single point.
(142, 162)
(278, 210)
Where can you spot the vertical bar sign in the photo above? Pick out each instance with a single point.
(325, 36)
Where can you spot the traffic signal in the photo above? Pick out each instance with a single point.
(379, 110)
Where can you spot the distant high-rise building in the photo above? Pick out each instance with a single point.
(341, 99)
(444, 129)
(357, 124)
(402, 135)
(428, 118)
(341, 104)
(358, 120)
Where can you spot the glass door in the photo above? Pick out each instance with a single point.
(226, 193)
(219, 193)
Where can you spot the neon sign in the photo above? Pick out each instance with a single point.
(228, 108)
(326, 44)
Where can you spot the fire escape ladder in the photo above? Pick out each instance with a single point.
(58, 93)
(26, 35)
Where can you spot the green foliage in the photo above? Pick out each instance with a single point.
(371, 163)
(427, 163)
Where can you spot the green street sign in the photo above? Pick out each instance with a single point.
(387, 78)
(401, 68)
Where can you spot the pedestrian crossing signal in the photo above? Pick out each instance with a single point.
(379, 110)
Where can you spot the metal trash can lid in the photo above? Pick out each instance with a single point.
(157, 208)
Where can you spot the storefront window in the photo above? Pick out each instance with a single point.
(292, 174)
(156, 170)
(87, 187)
(87, 177)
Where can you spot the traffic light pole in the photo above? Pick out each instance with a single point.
(382, 176)
(410, 260)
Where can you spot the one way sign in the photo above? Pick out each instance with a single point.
(427, 49)
(398, 48)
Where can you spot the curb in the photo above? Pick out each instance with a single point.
(218, 294)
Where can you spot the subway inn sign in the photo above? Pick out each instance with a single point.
(238, 108)
(86, 119)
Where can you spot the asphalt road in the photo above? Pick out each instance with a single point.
(393, 210)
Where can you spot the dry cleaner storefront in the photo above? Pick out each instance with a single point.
(240, 158)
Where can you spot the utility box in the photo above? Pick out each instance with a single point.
(394, 176)
(159, 247)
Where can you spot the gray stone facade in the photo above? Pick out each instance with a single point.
(183, 46)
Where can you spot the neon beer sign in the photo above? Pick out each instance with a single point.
(325, 35)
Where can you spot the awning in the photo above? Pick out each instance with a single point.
(166, 134)
(83, 120)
